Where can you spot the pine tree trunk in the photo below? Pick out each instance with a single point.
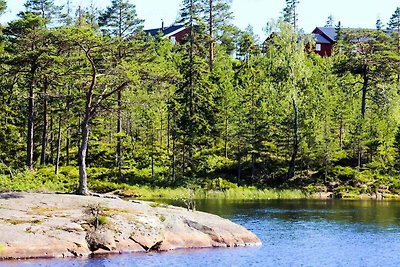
(83, 188)
(173, 160)
(211, 26)
(67, 145)
(119, 138)
(152, 152)
(51, 141)
(226, 136)
(89, 111)
(57, 163)
(31, 117)
(341, 133)
(292, 164)
(189, 139)
(239, 170)
(168, 133)
(45, 124)
(364, 91)
(363, 112)
(67, 141)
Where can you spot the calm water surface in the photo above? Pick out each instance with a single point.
(293, 232)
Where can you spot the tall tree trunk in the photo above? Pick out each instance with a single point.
(57, 163)
(253, 132)
(173, 160)
(239, 168)
(51, 141)
(292, 163)
(67, 141)
(191, 97)
(168, 133)
(226, 137)
(363, 112)
(161, 130)
(152, 152)
(211, 28)
(67, 145)
(31, 117)
(45, 124)
(83, 188)
(119, 138)
(364, 91)
(326, 152)
(341, 133)
(398, 53)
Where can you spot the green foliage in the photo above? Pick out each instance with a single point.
(3, 6)
(276, 116)
(120, 19)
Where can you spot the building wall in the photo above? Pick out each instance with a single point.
(326, 50)
(180, 35)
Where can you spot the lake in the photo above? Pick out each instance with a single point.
(293, 232)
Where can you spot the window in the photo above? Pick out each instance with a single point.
(318, 47)
(173, 39)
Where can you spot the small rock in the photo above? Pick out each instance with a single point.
(101, 240)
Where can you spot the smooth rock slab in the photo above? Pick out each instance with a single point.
(34, 225)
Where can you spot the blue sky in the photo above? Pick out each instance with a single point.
(312, 13)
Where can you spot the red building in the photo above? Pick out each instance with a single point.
(175, 32)
(325, 38)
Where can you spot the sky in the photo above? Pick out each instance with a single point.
(257, 13)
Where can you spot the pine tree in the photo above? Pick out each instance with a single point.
(98, 74)
(44, 8)
(290, 14)
(120, 20)
(217, 14)
(27, 46)
(379, 24)
(373, 56)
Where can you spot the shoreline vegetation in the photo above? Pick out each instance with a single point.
(102, 181)
(217, 111)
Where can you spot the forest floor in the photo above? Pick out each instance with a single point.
(40, 225)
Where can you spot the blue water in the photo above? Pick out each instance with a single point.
(294, 233)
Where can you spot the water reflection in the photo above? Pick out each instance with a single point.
(380, 213)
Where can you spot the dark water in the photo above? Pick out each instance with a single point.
(294, 233)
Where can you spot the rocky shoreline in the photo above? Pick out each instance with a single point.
(37, 225)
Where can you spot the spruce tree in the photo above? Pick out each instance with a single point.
(290, 13)
(330, 21)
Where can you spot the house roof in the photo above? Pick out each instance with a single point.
(166, 31)
(321, 39)
(329, 33)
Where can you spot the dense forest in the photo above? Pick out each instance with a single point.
(86, 95)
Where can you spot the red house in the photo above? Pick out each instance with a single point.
(175, 32)
(325, 38)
